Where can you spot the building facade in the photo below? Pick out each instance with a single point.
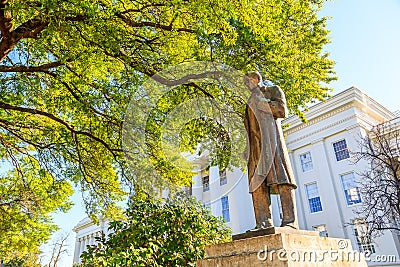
(86, 232)
(326, 176)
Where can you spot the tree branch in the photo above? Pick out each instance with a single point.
(151, 24)
(21, 68)
(67, 125)
(141, 9)
(80, 97)
(10, 38)
(5, 20)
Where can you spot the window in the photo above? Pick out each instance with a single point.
(278, 200)
(207, 206)
(363, 237)
(306, 162)
(225, 208)
(206, 183)
(341, 150)
(222, 177)
(314, 200)
(350, 188)
(321, 229)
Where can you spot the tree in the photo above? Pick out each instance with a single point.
(28, 197)
(58, 248)
(172, 233)
(28, 260)
(380, 183)
(68, 69)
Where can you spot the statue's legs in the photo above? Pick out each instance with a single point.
(288, 201)
(262, 206)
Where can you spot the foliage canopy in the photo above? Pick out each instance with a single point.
(27, 200)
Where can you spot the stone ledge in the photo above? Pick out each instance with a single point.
(300, 250)
(271, 231)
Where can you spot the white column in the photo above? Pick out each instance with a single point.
(77, 250)
(197, 189)
(300, 205)
(87, 241)
(329, 189)
(97, 234)
(215, 191)
(84, 243)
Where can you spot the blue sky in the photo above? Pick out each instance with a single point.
(365, 37)
(365, 44)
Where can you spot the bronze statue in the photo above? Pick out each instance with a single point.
(269, 169)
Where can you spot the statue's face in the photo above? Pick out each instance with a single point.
(251, 82)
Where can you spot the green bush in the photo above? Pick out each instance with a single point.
(171, 233)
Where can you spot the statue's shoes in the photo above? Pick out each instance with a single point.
(258, 228)
(289, 224)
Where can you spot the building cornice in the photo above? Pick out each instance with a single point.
(292, 129)
(320, 129)
(85, 223)
(352, 97)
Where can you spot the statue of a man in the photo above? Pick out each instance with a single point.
(269, 169)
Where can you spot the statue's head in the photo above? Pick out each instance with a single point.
(252, 80)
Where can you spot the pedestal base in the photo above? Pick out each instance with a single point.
(284, 247)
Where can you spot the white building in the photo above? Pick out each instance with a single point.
(86, 232)
(325, 175)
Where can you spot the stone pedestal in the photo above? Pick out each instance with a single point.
(282, 247)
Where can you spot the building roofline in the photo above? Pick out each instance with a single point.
(86, 222)
(352, 94)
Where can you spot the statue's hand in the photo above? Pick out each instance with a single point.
(263, 104)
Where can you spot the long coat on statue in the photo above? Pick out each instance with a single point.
(267, 157)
